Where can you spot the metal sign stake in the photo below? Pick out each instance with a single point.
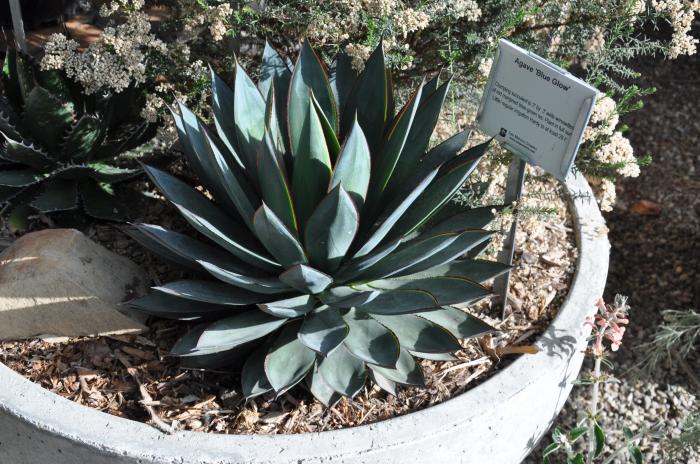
(18, 26)
(514, 190)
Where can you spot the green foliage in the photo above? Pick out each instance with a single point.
(57, 142)
(688, 441)
(677, 337)
(326, 238)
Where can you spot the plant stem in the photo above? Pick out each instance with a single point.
(623, 448)
(595, 389)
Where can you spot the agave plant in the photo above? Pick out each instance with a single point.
(319, 263)
(57, 141)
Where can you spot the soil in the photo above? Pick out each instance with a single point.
(132, 376)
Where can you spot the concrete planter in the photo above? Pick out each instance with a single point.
(498, 422)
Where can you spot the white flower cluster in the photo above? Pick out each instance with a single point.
(218, 18)
(595, 42)
(214, 18)
(326, 28)
(358, 54)
(604, 119)
(606, 194)
(458, 9)
(619, 151)
(485, 66)
(638, 7)
(152, 107)
(114, 62)
(411, 20)
(680, 14)
(109, 8)
(379, 8)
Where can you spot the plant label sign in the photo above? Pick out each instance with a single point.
(538, 110)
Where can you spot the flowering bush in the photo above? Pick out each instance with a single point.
(586, 442)
(594, 39)
(114, 62)
(607, 330)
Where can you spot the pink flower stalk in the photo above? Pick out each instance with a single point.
(608, 324)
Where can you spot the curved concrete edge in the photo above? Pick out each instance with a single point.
(499, 421)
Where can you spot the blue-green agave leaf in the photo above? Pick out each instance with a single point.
(209, 220)
(47, 118)
(312, 167)
(290, 307)
(343, 372)
(174, 307)
(83, 137)
(309, 77)
(253, 380)
(465, 242)
(476, 270)
(347, 297)
(320, 388)
(275, 185)
(406, 370)
(446, 290)
(342, 78)
(306, 279)
(323, 330)
(277, 238)
(369, 340)
(459, 323)
(222, 106)
(424, 122)
(288, 360)
(352, 169)
(210, 292)
(264, 285)
(249, 116)
(370, 100)
(393, 213)
(182, 249)
(451, 177)
(434, 356)
(418, 334)
(331, 229)
(384, 166)
(382, 382)
(237, 330)
(20, 177)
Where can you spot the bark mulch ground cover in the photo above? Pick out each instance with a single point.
(132, 376)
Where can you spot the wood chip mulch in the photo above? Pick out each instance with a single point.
(132, 376)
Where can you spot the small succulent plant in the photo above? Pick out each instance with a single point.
(319, 264)
(56, 142)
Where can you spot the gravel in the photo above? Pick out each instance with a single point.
(654, 258)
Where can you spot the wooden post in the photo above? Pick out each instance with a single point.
(514, 189)
(18, 26)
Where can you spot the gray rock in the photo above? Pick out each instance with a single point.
(60, 283)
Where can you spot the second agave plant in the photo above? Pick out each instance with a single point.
(58, 144)
(325, 259)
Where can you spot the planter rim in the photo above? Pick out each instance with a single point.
(107, 434)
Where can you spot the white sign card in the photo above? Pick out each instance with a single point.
(538, 110)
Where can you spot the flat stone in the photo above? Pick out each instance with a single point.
(59, 283)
